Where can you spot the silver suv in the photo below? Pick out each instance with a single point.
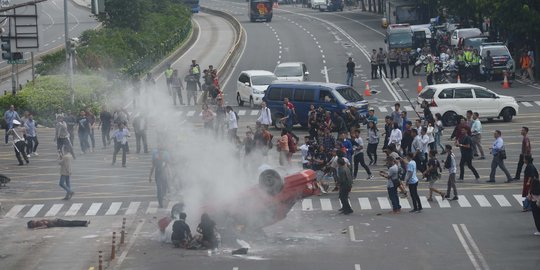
(502, 59)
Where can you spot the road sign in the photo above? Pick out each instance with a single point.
(18, 61)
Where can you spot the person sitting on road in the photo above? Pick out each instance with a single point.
(49, 223)
(181, 235)
(207, 229)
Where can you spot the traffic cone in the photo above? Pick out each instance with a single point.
(458, 79)
(420, 87)
(367, 92)
(505, 83)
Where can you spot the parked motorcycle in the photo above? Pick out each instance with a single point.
(420, 64)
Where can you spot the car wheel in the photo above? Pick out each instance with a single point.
(507, 115)
(276, 118)
(450, 119)
(239, 100)
(271, 182)
(251, 103)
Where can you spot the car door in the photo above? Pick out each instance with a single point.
(486, 103)
(464, 100)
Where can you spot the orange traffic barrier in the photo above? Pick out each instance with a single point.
(505, 83)
(420, 87)
(367, 92)
(458, 79)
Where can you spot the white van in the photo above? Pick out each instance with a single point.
(292, 71)
(463, 33)
(251, 85)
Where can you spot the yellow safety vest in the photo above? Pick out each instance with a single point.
(168, 73)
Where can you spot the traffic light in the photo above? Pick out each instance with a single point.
(6, 47)
(17, 55)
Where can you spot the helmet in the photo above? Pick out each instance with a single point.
(16, 122)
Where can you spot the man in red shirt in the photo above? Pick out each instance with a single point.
(525, 151)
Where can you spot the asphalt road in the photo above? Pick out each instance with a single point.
(484, 229)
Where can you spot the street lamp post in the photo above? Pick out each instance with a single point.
(69, 62)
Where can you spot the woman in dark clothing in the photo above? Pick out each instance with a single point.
(530, 174)
(207, 229)
(534, 192)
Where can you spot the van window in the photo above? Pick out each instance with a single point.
(428, 94)
(304, 95)
(349, 94)
(274, 94)
(463, 93)
(481, 93)
(286, 93)
(446, 94)
(326, 96)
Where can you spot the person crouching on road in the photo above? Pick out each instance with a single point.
(181, 235)
(18, 133)
(120, 142)
(65, 171)
(345, 185)
(207, 229)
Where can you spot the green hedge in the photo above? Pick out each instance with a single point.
(48, 93)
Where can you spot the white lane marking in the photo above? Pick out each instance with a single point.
(34, 210)
(113, 209)
(132, 208)
(326, 205)
(463, 202)
(408, 108)
(404, 202)
(364, 203)
(242, 112)
(15, 210)
(352, 235)
(526, 104)
(424, 201)
(307, 205)
(73, 209)
(502, 201)
(254, 112)
(442, 203)
(357, 267)
(383, 202)
(190, 113)
(482, 201)
(383, 109)
(474, 247)
(519, 198)
(235, 268)
(54, 210)
(94, 208)
(466, 247)
(130, 244)
(326, 74)
(152, 208)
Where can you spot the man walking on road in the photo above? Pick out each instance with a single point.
(160, 161)
(31, 136)
(18, 133)
(65, 171)
(140, 127)
(374, 64)
(9, 116)
(499, 155)
(105, 120)
(465, 146)
(120, 142)
(450, 164)
(350, 71)
(265, 116)
(525, 150)
(345, 185)
(392, 183)
(476, 136)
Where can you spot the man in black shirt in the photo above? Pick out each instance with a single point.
(465, 145)
(181, 235)
(105, 118)
(350, 71)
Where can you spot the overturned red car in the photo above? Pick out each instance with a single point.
(269, 201)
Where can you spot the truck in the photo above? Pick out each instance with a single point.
(260, 10)
(399, 36)
(401, 11)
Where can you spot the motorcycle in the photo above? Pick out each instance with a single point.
(420, 64)
(467, 72)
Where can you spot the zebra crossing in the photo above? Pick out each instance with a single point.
(309, 204)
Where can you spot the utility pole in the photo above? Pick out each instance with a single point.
(69, 63)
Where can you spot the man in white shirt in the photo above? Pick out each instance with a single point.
(476, 136)
(265, 116)
(304, 150)
(232, 123)
(424, 139)
(396, 136)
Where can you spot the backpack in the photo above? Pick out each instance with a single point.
(448, 161)
(291, 143)
(236, 114)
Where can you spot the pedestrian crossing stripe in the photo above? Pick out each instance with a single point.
(308, 204)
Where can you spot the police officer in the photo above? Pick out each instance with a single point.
(18, 132)
(393, 58)
(168, 77)
(374, 64)
(404, 62)
(475, 63)
(195, 71)
(430, 68)
(381, 61)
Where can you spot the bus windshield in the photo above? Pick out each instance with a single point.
(397, 39)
